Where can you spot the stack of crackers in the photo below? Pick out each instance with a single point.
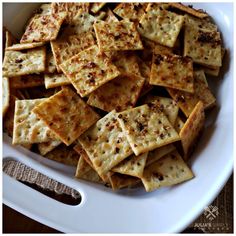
(119, 90)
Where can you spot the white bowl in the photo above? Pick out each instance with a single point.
(166, 210)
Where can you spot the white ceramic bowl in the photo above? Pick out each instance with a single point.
(134, 211)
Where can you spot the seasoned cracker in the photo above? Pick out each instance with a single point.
(117, 36)
(43, 28)
(68, 45)
(187, 101)
(161, 26)
(89, 70)
(167, 171)
(203, 46)
(131, 11)
(72, 9)
(105, 144)
(172, 71)
(133, 165)
(55, 80)
(47, 147)
(192, 129)
(158, 153)
(64, 154)
(5, 95)
(24, 46)
(146, 128)
(66, 114)
(28, 128)
(190, 10)
(167, 105)
(97, 6)
(21, 63)
(26, 81)
(120, 94)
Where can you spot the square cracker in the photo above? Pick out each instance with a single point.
(119, 94)
(116, 36)
(161, 26)
(187, 101)
(68, 45)
(28, 128)
(158, 153)
(43, 28)
(89, 70)
(192, 129)
(105, 143)
(24, 46)
(8, 120)
(168, 171)
(167, 105)
(26, 81)
(55, 80)
(190, 10)
(131, 11)
(21, 63)
(86, 172)
(72, 9)
(64, 154)
(172, 71)
(203, 46)
(146, 128)
(133, 165)
(66, 114)
(5, 95)
(97, 6)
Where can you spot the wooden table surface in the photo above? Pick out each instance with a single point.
(14, 222)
